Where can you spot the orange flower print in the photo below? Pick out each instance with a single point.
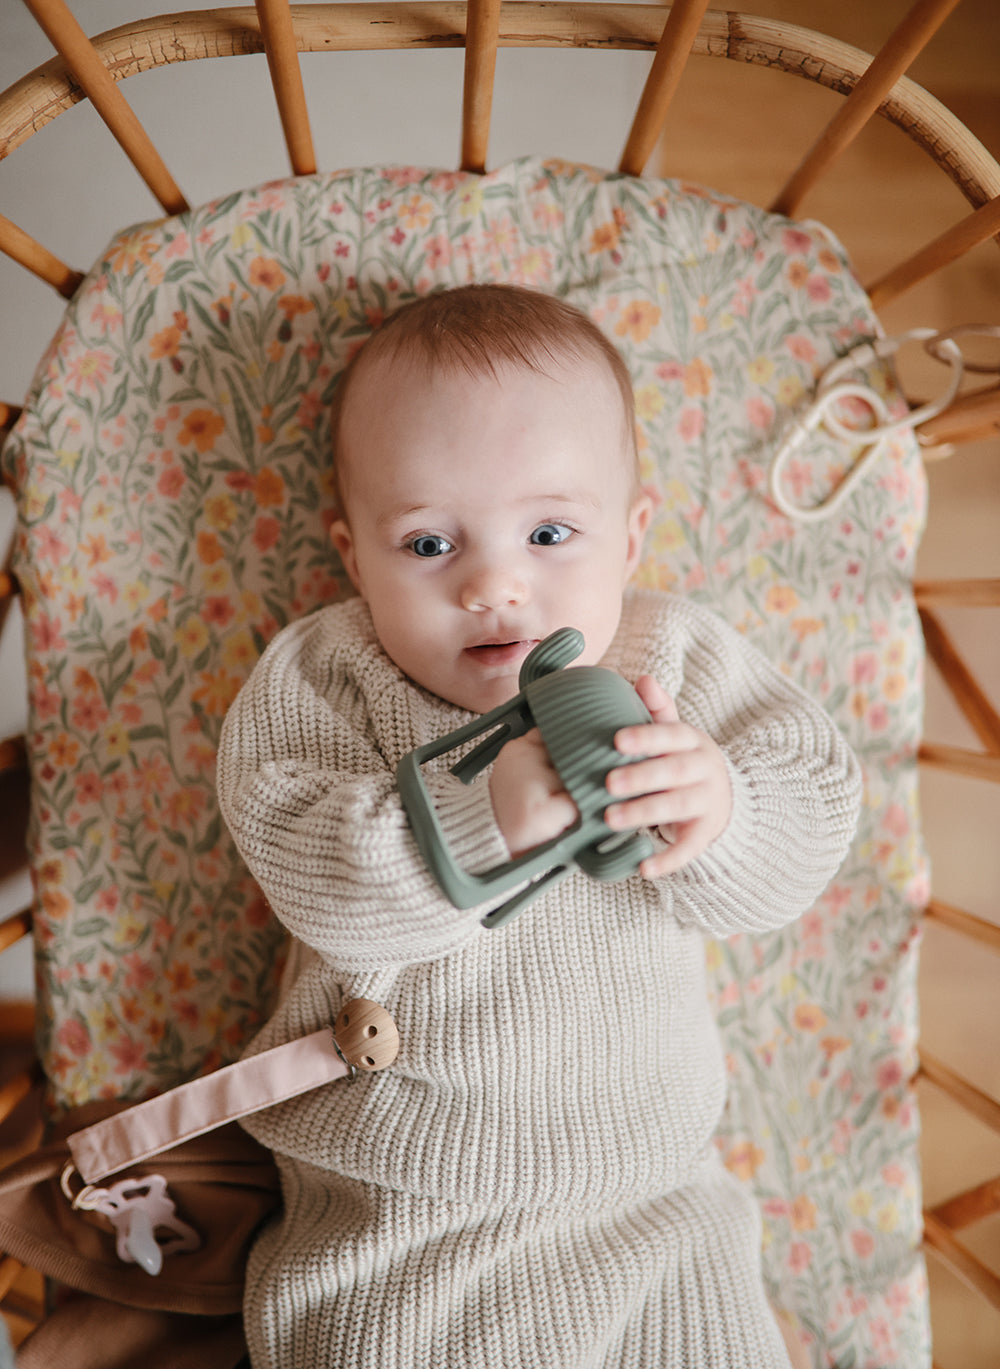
(200, 429)
(781, 599)
(808, 1017)
(415, 213)
(798, 274)
(745, 1159)
(604, 237)
(267, 273)
(216, 691)
(290, 305)
(209, 548)
(638, 320)
(803, 1214)
(220, 511)
(135, 250)
(697, 378)
(268, 488)
(166, 343)
(64, 750)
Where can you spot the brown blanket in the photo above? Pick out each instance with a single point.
(224, 1185)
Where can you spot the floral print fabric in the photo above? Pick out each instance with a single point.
(174, 498)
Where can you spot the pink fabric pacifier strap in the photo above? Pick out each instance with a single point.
(364, 1037)
(205, 1103)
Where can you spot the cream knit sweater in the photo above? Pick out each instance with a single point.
(533, 1182)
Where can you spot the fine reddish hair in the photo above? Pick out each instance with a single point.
(480, 329)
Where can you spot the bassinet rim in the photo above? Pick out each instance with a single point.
(49, 90)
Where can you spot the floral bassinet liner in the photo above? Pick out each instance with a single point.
(173, 465)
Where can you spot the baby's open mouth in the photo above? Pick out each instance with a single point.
(500, 653)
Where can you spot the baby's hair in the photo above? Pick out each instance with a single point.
(479, 329)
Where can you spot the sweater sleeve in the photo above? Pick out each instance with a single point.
(309, 795)
(796, 783)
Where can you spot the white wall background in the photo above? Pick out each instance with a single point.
(215, 124)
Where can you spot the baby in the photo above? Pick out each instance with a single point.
(533, 1183)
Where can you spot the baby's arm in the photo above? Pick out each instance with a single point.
(755, 852)
(310, 798)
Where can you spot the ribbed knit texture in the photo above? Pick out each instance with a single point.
(532, 1183)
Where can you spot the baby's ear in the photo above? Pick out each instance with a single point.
(638, 521)
(343, 544)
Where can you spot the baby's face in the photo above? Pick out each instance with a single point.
(483, 514)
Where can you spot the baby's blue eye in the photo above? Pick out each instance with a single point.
(430, 544)
(550, 534)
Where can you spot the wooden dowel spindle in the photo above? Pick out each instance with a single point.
(481, 38)
(278, 32)
(892, 60)
(975, 228)
(28, 252)
(90, 73)
(661, 85)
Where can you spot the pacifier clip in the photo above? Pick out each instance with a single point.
(363, 1038)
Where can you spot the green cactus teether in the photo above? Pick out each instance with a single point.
(577, 711)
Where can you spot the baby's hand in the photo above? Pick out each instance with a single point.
(682, 787)
(529, 801)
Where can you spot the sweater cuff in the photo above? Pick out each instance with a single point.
(466, 814)
(730, 851)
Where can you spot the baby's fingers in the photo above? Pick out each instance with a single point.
(663, 808)
(689, 844)
(661, 706)
(658, 770)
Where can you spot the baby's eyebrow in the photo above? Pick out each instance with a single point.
(577, 499)
(400, 514)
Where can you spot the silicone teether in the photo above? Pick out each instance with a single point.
(577, 711)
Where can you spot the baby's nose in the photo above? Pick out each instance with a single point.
(493, 587)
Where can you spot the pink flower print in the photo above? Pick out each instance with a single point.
(171, 482)
(759, 413)
(795, 242)
(139, 974)
(49, 546)
(46, 633)
(896, 820)
(89, 713)
(108, 899)
(130, 1055)
(218, 609)
(799, 1257)
(74, 1036)
(864, 668)
(266, 532)
(437, 253)
(863, 1244)
(690, 425)
(670, 370)
(89, 787)
(178, 246)
(818, 289)
(802, 348)
(90, 370)
(889, 1075)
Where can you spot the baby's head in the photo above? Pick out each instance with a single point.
(484, 446)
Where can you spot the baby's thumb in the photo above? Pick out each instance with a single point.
(661, 706)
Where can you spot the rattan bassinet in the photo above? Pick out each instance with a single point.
(724, 289)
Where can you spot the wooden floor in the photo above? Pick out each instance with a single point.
(885, 200)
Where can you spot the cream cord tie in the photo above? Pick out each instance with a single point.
(834, 387)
